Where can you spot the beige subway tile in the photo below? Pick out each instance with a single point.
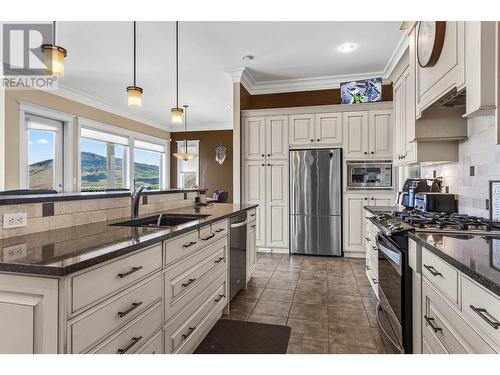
(33, 209)
(68, 207)
(60, 221)
(121, 202)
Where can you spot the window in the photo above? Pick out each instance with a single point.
(149, 161)
(44, 139)
(103, 160)
(188, 171)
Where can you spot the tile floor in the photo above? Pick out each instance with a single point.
(328, 303)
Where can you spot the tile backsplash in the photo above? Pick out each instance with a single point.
(479, 162)
(86, 211)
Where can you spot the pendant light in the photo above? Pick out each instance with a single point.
(54, 55)
(185, 155)
(134, 92)
(177, 111)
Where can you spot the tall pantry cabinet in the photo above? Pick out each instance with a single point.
(265, 177)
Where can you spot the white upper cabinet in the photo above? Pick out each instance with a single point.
(276, 137)
(356, 134)
(432, 83)
(301, 129)
(380, 134)
(255, 138)
(328, 128)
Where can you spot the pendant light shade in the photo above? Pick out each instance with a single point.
(134, 92)
(177, 111)
(185, 155)
(54, 55)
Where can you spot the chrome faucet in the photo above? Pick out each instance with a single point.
(136, 197)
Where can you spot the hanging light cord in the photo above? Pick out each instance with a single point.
(177, 63)
(54, 32)
(134, 54)
(185, 129)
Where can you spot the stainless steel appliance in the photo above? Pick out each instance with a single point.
(237, 254)
(369, 174)
(316, 202)
(435, 202)
(412, 186)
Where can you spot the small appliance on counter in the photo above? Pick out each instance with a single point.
(412, 186)
(435, 202)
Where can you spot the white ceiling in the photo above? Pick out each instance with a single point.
(288, 55)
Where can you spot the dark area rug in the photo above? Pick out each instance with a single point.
(239, 337)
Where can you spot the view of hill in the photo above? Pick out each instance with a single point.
(94, 173)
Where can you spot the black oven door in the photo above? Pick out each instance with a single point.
(390, 307)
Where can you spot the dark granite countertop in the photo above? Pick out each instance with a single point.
(382, 209)
(64, 251)
(476, 256)
(40, 198)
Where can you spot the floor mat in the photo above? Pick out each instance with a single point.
(239, 337)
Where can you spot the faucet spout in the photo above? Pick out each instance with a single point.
(136, 198)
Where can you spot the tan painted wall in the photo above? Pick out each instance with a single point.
(44, 99)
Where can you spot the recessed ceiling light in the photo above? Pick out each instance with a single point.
(347, 47)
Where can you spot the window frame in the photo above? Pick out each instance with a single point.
(132, 136)
(63, 151)
(179, 161)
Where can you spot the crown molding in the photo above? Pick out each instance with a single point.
(235, 74)
(80, 97)
(396, 55)
(205, 126)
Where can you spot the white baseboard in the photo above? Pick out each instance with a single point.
(350, 254)
(272, 250)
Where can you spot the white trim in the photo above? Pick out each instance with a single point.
(208, 126)
(403, 44)
(317, 109)
(2, 138)
(49, 113)
(68, 148)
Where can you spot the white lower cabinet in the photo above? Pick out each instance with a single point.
(251, 248)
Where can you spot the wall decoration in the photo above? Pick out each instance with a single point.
(430, 41)
(220, 154)
(495, 201)
(362, 91)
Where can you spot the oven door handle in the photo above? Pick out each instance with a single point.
(390, 255)
(396, 345)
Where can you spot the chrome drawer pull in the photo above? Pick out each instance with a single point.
(253, 226)
(134, 341)
(134, 269)
(375, 248)
(219, 260)
(190, 330)
(479, 311)
(219, 230)
(134, 306)
(367, 267)
(430, 321)
(189, 282)
(190, 244)
(432, 270)
(209, 237)
(221, 296)
(374, 281)
(368, 239)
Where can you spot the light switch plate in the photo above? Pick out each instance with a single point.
(16, 220)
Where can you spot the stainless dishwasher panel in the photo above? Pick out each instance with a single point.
(238, 254)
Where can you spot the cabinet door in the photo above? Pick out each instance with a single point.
(277, 137)
(255, 138)
(277, 204)
(28, 311)
(301, 130)
(398, 105)
(381, 199)
(251, 250)
(353, 222)
(254, 191)
(328, 129)
(380, 134)
(356, 134)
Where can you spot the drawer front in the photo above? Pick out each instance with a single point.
(252, 215)
(100, 282)
(129, 339)
(482, 308)
(446, 325)
(219, 229)
(431, 345)
(440, 274)
(212, 233)
(179, 248)
(189, 278)
(185, 331)
(113, 313)
(154, 346)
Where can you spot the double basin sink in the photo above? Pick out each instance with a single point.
(160, 221)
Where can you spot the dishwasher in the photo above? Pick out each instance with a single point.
(238, 254)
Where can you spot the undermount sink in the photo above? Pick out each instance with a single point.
(160, 221)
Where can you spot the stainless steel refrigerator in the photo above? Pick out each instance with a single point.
(316, 202)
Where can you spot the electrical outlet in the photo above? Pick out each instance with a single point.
(17, 220)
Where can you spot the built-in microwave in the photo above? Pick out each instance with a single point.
(369, 174)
